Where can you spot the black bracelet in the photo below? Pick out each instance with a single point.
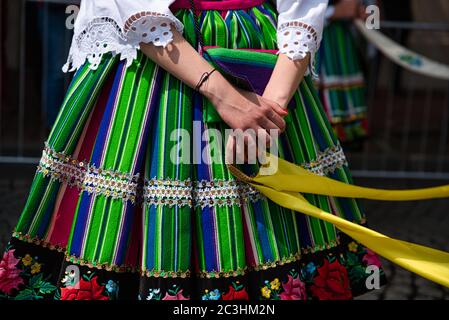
(203, 79)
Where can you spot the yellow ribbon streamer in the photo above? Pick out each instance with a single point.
(283, 188)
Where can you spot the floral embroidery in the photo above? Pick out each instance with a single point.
(292, 289)
(310, 269)
(27, 278)
(175, 293)
(332, 282)
(353, 247)
(35, 268)
(112, 289)
(154, 294)
(275, 284)
(9, 273)
(236, 292)
(26, 261)
(266, 293)
(84, 290)
(371, 258)
(356, 260)
(211, 295)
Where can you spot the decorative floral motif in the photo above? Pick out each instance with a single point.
(211, 295)
(175, 296)
(332, 282)
(9, 273)
(154, 294)
(310, 268)
(294, 289)
(27, 260)
(84, 290)
(112, 289)
(236, 292)
(266, 292)
(24, 275)
(353, 247)
(175, 293)
(371, 258)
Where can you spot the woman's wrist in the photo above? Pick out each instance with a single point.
(285, 79)
(216, 88)
(281, 98)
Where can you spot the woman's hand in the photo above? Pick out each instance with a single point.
(256, 116)
(242, 109)
(238, 108)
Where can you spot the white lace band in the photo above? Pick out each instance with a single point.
(104, 34)
(165, 192)
(296, 40)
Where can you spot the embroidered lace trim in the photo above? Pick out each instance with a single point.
(296, 40)
(134, 188)
(103, 34)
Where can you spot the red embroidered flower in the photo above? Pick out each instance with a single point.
(294, 289)
(9, 274)
(332, 282)
(86, 290)
(177, 296)
(371, 258)
(233, 294)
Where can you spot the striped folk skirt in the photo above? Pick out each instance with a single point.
(341, 83)
(110, 216)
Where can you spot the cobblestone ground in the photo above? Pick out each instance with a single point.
(425, 222)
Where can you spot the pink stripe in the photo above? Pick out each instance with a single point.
(132, 256)
(217, 5)
(68, 197)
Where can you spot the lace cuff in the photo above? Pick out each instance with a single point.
(103, 34)
(296, 40)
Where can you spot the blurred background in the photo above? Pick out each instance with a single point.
(407, 145)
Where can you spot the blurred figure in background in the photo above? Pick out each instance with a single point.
(399, 11)
(55, 39)
(341, 81)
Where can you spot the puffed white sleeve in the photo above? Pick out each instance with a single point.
(118, 27)
(300, 27)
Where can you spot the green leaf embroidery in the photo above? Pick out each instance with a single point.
(47, 288)
(27, 294)
(35, 281)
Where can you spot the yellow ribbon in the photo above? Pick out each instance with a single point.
(283, 188)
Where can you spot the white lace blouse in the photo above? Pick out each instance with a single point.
(119, 26)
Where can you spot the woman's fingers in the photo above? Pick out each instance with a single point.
(277, 108)
(277, 120)
(248, 146)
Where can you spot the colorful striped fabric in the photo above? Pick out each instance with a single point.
(341, 82)
(107, 196)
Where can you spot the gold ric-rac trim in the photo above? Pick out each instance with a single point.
(38, 242)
